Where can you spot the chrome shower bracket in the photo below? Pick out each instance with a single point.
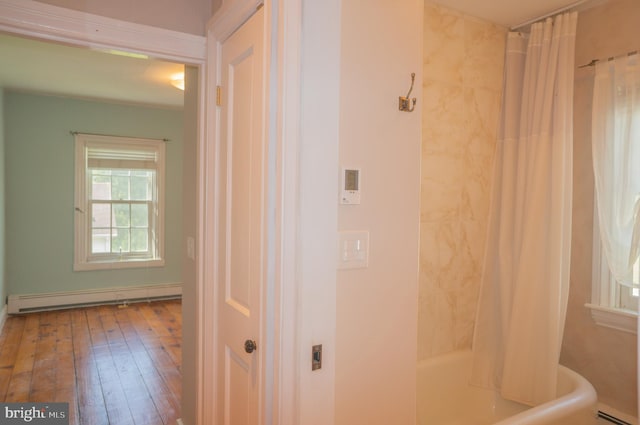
(405, 103)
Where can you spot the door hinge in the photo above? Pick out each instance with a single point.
(218, 96)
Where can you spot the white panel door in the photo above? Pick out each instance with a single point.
(242, 225)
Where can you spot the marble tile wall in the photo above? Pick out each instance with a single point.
(463, 61)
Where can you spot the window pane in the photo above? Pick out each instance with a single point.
(121, 217)
(120, 187)
(120, 241)
(100, 215)
(139, 215)
(141, 187)
(101, 176)
(139, 240)
(100, 241)
(101, 187)
(628, 299)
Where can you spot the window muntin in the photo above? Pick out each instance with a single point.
(119, 202)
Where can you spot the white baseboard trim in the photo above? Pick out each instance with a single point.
(26, 303)
(3, 317)
(632, 420)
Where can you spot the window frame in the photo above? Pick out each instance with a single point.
(606, 306)
(604, 290)
(84, 259)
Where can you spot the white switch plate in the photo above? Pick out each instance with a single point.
(353, 250)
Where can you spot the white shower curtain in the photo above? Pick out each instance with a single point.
(525, 283)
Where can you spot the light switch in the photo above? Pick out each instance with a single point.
(353, 250)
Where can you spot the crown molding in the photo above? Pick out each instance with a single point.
(39, 20)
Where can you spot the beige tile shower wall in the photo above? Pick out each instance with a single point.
(606, 357)
(463, 61)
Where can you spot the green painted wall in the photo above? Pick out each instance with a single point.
(3, 280)
(39, 160)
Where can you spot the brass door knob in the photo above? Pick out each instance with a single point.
(250, 346)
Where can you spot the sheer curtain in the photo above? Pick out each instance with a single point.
(523, 298)
(615, 142)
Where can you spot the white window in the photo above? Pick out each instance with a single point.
(613, 304)
(616, 159)
(119, 202)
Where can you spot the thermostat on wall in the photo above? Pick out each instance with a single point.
(350, 193)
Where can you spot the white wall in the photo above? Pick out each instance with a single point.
(357, 57)
(188, 16)
(376, 321)
(318, 213)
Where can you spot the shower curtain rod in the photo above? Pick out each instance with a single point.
(595, 61)
(555, 12)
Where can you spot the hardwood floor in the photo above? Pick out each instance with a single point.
(113, 365)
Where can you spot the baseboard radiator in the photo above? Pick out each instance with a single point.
(26, 303)
(609, 414)
(609, 418)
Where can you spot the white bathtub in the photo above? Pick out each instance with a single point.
(446, 398)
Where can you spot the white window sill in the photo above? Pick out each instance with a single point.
(114, 265)
(622, 320)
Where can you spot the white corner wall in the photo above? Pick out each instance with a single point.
(357, 57)
(376, 311)
(318, 207)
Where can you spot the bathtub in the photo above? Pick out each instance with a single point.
(446, 398)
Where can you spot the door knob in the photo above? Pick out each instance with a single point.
(250, 346)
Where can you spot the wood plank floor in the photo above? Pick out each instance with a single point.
(113, 365)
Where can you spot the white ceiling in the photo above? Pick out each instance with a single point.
(511, 13)
(62, 70)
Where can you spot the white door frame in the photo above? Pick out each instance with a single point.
(279, 394)
(52, 23)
